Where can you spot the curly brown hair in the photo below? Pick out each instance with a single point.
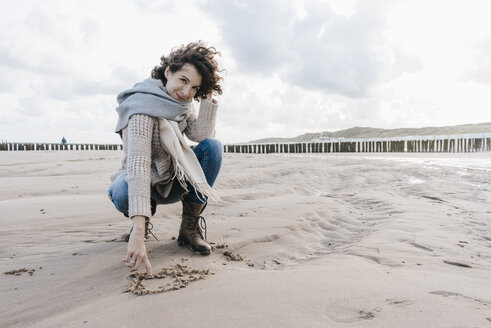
(199, 55)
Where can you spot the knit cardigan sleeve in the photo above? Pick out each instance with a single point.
(139, 150)
(202, 126)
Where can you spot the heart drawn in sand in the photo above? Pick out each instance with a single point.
(176, 278)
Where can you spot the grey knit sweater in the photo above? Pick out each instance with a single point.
(144, 160)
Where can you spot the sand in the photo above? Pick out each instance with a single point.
(334, 240)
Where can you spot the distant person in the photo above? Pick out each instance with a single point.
(158, 167)
(63, 141)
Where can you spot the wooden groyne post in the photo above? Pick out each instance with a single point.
(22, 146)
(425, 144)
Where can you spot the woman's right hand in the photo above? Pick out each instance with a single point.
(209, 97)
(136, 252)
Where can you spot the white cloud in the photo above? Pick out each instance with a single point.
(316, 48)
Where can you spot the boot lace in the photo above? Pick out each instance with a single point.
(197, 226)
(148, 230)
(201, 226)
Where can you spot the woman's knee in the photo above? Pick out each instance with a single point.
(212, 145)
(118, 193)
(209, 153)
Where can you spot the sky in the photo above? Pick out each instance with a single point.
(290, 67)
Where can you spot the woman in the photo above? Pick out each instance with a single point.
(158, 167)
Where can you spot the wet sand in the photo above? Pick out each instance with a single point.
(338, 240)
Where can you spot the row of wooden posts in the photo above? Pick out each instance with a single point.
(454, 145)
(56, 146)
(457, 145)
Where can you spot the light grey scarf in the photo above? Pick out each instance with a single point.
(151, 98)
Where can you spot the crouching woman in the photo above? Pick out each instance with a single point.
(158, 167)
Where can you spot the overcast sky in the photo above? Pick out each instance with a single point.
(291, 66)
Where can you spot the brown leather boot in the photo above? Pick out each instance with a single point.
(192, 226)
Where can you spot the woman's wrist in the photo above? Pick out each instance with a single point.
(138, 224)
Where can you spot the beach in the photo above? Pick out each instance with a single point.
(327, 240)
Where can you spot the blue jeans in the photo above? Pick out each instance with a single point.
(209, 153)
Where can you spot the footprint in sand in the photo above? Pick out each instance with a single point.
(445, 293)
(398, 302)
(19, 272)
(352, 310)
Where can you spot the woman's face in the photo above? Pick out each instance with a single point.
(183, 84)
